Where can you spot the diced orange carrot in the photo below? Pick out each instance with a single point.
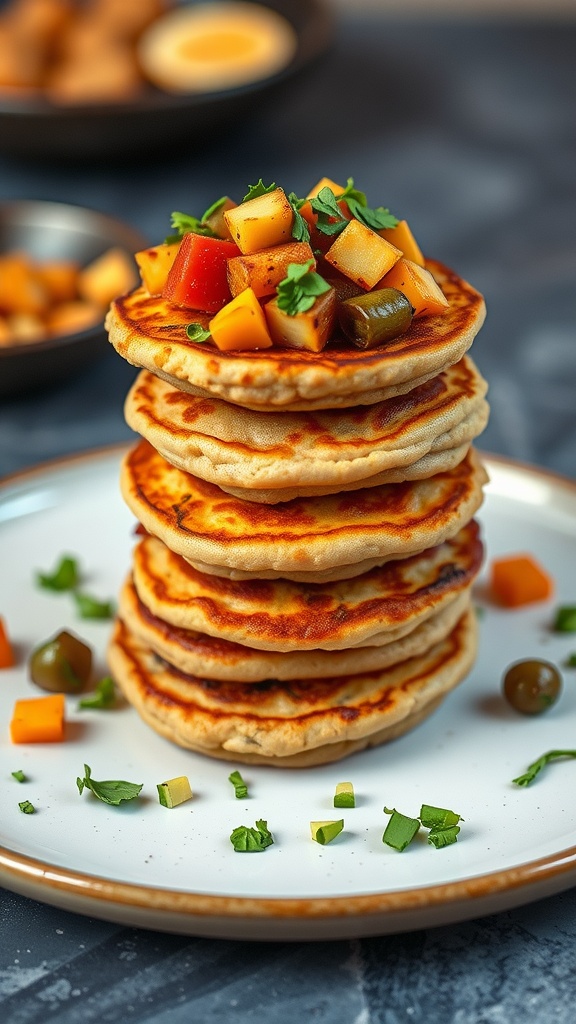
(518, 579)
(401, 236)
(241, 324)
(7, 659)
(38, 720)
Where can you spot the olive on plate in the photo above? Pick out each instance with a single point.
(532, 686)
(62, 664)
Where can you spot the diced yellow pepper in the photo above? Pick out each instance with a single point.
(419, 287)
(261, 222)
(402, 237)
(362, 255)
(154, 264)
(309, 330)
(240, 324)
(262, 271)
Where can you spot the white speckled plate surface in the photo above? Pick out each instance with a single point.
(176, 870)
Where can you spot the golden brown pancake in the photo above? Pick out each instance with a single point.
(149, 333)
(289, 724)
(266, 456)
(381, 605)
(213, 658)
(321, 538)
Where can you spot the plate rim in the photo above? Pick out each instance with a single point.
(299, 918)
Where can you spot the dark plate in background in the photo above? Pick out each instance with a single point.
(47, 231)
(35, 127)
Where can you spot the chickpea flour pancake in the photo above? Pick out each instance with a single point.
(198, 653)
(150, 333)
(289, 724)
(307, 539)
(374, 608)
(272, 457)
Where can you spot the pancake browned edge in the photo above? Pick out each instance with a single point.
(148, 332)
(307, 539)
(296, 724)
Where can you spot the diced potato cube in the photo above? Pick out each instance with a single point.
(362, 255)
(262, 222)
(262, 271)
(419, 287)
(110, 275)
(21, 291)
(26, 328)
(240, 324)
(59, 278)
(154, 264)
(309, 330)
(402, 237)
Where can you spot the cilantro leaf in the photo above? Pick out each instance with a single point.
(377, 219)
(536, 767)
(300, 229)
(104, 695)
(197, 332)
(111, 791)
(259, 189)
(330, 220)
(65, 576)
(251, 840)
(213, 208)
(91, 608)
(184, 224)
(300, 288)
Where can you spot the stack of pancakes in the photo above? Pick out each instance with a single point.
(301, 589)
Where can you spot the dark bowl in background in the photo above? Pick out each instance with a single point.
(34, 127)
(47, 231)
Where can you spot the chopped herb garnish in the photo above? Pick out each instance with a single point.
(400, 830)
(300, 229)
(377, 218)
(325, 831)
(438, 817)
(26, 807)
(441, 837)
(214, 208)
(259, 189)
(92, 608)
(65, 576)
(300, 288)
(251, 840)
(184, 223)
(240, 787)
(344, 795)
(104, 695)
(537, 766)
(111, 791)
(197, 332)
(565, 621)
(571, 660)
(19, 776)
(330, 220)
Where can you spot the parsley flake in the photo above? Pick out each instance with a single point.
(300, 229)
(251, 840)
(259, 189)
(300, 288)
(185, 224)
(111, 791)
(240, 787)
(65, 576)
(536, 767)
(104, 695)
(19, 776)
(91, 608)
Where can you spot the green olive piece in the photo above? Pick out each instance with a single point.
(62, 665)
(375, 317)
(532, 686)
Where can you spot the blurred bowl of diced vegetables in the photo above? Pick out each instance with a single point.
(60, 267)
(103, 79)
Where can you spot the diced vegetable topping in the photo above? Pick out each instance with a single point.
(251, 840)
(400, 830)
(565, 621)
(62, 664)
(92, 608)
(241, 324)
(375, 317)
(532, 686)
(65, 576)
(19, 776)
(26, 807)
(516, 580)
(344, 795)
(174, 791)
(197, 278)
(38, 720)
(111, 791)
(324, 832)
(104, 695)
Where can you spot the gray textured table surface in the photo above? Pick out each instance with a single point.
(467, 128)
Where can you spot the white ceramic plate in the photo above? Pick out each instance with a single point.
(176, 870)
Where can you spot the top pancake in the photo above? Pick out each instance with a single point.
(151, 334)
(270, 457)
(324, 538)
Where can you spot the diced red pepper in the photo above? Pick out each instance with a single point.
(197, 278)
